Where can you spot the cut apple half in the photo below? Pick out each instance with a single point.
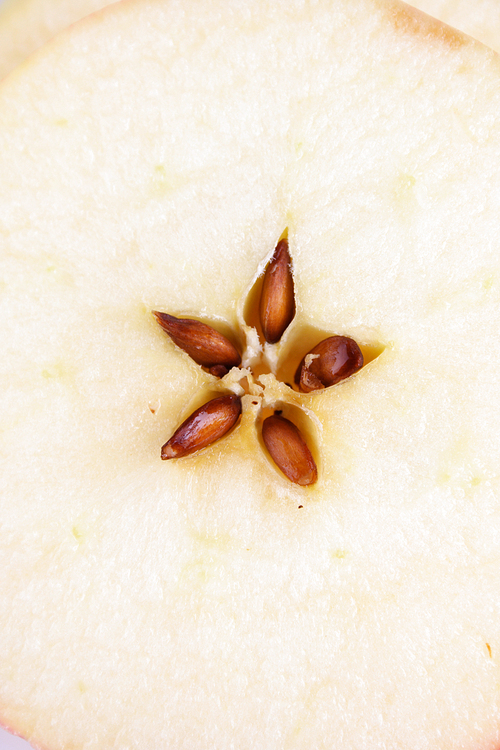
(150, 160)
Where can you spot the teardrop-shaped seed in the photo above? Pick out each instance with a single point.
(203, 343)
(277, 301)
(207, 424)
(289, 450)
(332, 360)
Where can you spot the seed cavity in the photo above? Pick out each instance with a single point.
(154, 406)
(332, 360)
(289, 450)
(269, 309)
(206, 346)
(277, 301)
(203, 427)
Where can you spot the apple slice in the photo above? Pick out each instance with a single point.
(150, 161)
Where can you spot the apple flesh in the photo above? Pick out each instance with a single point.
(26, 25)
(150, 159)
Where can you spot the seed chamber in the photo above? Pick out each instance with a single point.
(306, 422)
(265, 380)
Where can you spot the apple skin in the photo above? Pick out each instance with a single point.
(479, 19)
(10, 741)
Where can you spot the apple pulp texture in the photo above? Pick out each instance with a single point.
(152, 157)
(25, 25)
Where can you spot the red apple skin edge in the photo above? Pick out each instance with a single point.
(11, 732)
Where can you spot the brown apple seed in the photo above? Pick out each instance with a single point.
(330, 361)
(289, 450)
(203, 343)
(207, 424)
(277, 301)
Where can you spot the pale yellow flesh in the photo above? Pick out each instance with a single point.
(151, 159)
(25, 25)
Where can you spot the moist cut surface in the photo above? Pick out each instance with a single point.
(150, 160)
(26, 25)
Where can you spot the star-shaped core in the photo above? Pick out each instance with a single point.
(332, 360)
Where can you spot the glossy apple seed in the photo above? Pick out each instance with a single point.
(277, 301)
(204, 426)
(331, 361)
(204, 344)
(289, 450)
